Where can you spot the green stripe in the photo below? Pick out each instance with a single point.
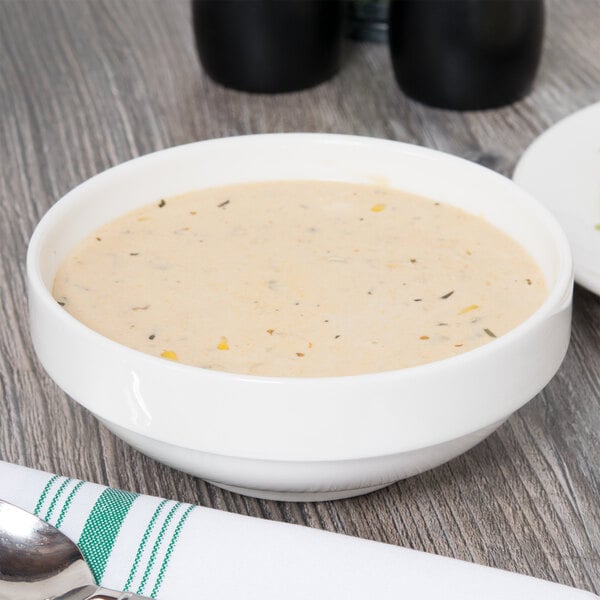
(42, 498)
(156, 547)
(67, 504)
(142, 545)
(57, 496)
(102, 527)
(170, 549)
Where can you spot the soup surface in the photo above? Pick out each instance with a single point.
(300, 278)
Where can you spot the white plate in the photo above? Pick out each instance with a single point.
(562, 170)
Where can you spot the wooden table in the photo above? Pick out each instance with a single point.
(86, 85)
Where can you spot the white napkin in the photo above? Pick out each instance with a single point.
(169, 550)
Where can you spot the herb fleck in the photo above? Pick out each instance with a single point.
(134, 254)
(337, 336)
(136, 308)
(490, 332)
(446, 296)
(151, 336)
(162, 203)
(413, 260)
(99, 239)
(528, 281)
(442, 324)
(61, 303)
(223, 204)
(417, 299)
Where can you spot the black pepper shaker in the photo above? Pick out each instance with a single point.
(466, 54)
(269, 46)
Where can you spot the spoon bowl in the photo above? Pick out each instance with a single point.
(39, 562)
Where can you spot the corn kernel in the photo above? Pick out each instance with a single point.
(469, 309)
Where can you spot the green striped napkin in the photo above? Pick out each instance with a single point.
(103, 520)
(169, 550)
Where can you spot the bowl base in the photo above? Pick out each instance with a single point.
(302, 481)
(300, 496)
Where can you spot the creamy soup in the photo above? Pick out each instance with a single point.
(300, 279)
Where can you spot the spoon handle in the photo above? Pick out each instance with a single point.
(92, 592)
(104, 594)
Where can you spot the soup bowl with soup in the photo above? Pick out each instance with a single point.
(300, 316)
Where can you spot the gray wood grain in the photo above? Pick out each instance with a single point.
(86, 85)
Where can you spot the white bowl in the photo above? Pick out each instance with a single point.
(300, 438)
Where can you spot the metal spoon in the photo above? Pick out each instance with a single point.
(38, 562)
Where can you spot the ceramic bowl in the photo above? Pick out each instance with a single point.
(300, 438)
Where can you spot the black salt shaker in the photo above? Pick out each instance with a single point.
(269, 46)
(466, 54)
